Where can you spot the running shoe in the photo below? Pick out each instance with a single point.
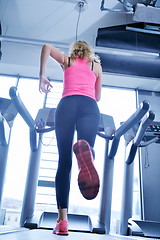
(61, 228)
(88, 179)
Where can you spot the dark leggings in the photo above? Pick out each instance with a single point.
(79, 113)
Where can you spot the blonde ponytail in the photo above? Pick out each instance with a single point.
(81, 49)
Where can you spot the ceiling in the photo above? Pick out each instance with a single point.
(27, 25)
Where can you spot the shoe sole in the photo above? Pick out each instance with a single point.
(60, 233)
(88, 179)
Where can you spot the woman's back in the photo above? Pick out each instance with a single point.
(79, 79)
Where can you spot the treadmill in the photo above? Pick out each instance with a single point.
(146, 138)
(8, 113)
(82, 223)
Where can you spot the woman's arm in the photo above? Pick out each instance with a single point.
(98, 85)
(48, 50)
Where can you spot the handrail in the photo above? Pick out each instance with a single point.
(2, 131)
(143, 126)
(108, 135)
(134, 118)
(105, 136)
(153, 140)
(140, 133)
(13, 92)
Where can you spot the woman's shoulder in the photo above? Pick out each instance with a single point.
(97, 68)
(68, 61)
(97, 64)
(65, 64)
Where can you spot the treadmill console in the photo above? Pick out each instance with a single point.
(153, 128)
(152, 131)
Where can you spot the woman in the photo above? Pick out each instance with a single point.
(77, 110)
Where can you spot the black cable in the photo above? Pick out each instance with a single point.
(46, 144)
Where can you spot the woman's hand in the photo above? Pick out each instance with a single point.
(44, 85)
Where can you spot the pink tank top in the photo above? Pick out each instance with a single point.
(79, 79)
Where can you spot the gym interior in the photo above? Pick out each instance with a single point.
(126, 38)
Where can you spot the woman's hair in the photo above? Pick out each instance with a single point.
(81, 49)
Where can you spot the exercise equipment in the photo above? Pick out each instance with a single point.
(32, 219)
(45, 122)
(36, 130)
(105, 209)
(146, 134)
(7, 115)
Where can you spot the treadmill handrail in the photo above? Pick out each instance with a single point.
(133, 119)
(108, 135)
(13, 92)
(105, 136)
(145, 144)
(140, 133)
(3, 127)
(142, 128)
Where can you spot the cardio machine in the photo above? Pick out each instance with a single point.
(31, 219)
(44, 122)
(145, 138)
(8, 113)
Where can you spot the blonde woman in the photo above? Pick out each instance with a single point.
(77, 110)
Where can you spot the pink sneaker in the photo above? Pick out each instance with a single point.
(88, 179)
(61, 228)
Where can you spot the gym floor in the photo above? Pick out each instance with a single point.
(47, 235)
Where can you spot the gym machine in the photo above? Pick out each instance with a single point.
(45, 122)
(8, 113)
(30, 218)
(145, 134)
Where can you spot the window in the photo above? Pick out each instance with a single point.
(112, 103)
(6, 83)
(45, 198)
(115, 103)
